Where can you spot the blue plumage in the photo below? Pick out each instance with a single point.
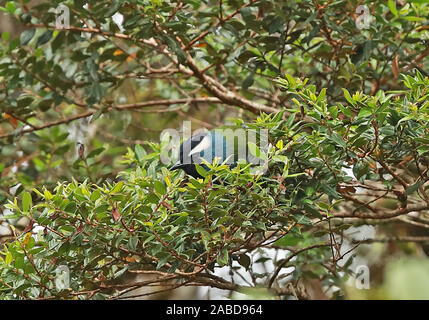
(229, 144)
(207, 146)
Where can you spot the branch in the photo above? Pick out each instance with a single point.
(227, 96)
(382, 214)
(117, 107)
(394, 239)
(294, 254)
(221, 20)
(213, 86)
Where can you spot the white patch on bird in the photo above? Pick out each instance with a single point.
(204, 144)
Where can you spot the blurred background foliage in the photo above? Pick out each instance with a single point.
(73, 101)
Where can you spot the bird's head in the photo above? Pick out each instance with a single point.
(207, 146)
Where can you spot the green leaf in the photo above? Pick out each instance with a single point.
(248, 82)
(70, 207)
(348, 97)
(27, 35)
(120, 272)
(289, 240)
(45, 37)
(335, 137)
(117, 188)
(101, 208)
(95, 152)
(244, 261)
(392, 6)
(255, 151)
(360, 169)
(223, 258)
(245, 56)
(132, 243)
(413, 188)
(321, 96)
(153, 198)
(14, 43)
(61, 150)
(27, 202)
(5, 36)
(140, 152)
(45, 104)
(302, 219)
(364, 112)
(160, 188)
(276, 25)
(10, 6)
(201, 171)
(423, 149)
(19, 262)
(95, 195)
(9, 258)
(367, 49)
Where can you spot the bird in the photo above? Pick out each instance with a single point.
(206, 145)
(228, 145)
(80, 150)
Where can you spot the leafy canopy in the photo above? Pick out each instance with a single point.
(345, 106)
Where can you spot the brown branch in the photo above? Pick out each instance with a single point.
(382, 214)
(294, 254)
(225, 95)
(392, 173)
(213, 86)
(205, 33)
(117, 107)
(394, 239)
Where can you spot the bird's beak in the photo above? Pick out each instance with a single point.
(175, 166)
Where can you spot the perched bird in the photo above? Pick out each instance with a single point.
(207, 146)
(80, 150)
(228, 145)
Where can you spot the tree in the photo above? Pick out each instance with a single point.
(344, 101)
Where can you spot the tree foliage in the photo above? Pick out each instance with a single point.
(346, 109)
